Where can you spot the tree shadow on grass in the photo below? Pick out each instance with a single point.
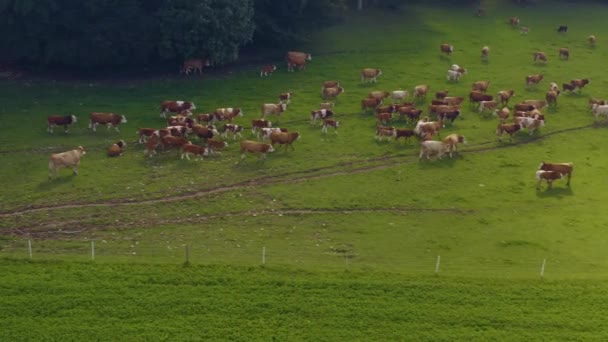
(554, 192)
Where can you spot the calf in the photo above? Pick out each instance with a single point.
(432, 147)
(108, 119)
(284, 138)
(514, 21)
(564, 53)
(116, 149)
(563, 168)
(548, 176)
(65, 159)
(446, 49)
(60, 120)
(320, 114)
(453, 75)
(254, 147)
(370, 75)
(330, 123)
(267, 70)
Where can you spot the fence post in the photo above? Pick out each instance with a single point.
(187, 254)
(92, 249)
(264, 255)
(29, 247)
(437, 264)
(542, 268)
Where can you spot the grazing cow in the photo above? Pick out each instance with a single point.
(510, 129)
(330, 123)
(514, 21)
(538, 104)
(481, 86)
(568, 86)
(591, 40)
(378, 94)
(399, 96)
(540, 57)
(534, 79)
(405, 133)
(502, 114)
(284, 138)
(267, 70)
(383, 118)
(227, 114)
(296, 58)
(332, 93)
(524, 30)
(108, 119)
(326, 105)
(144, 134)
(65, 159)
(232, 129)
(553, 86)
(562, 29)
(256, 124)
(477, 96)
(254, 147)
(485, 51)
(453, 100)
(320, 114)
(116, 149)
(194, 65)
(580, 83)
(179, 107)
(525, 107)
(197, 151)
(271, 108)
(563, 168)
(214, 145)
(432, 147)
(453, 75)
(370, 75)
(411, 113)
(599, 110)
(551, 97)
(548, 176)
(204, 132)
(60, 120)
(446, 48)
(286, 97)
(487, 106)
(564, 53)
(420, 91)
(368, 103)
(452, 140)
(440, 95)
(503, 97)
(382, 132)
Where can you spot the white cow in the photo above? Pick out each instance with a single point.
(453, 75)
(65, 159)
(599, 110)
(399, 95)
(432, 147)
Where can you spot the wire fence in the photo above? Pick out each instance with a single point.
(335, 259)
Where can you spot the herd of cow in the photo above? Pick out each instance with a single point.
(183, 124)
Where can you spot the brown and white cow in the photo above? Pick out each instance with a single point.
(592, 101)
(538, 104)
(370, 75)
(266, 131)
(452, 142)
(285, 97)
(564, 53)
(332, 93)
(383, 118)
(510, 129)
(235, 130)
(580, 83)
(273, 108)
(514, 21)
(204, 132)
(267, 70)
(481, 86)
(151, 144)
(405, 133)
(488, 106)
(563, 168)
(553, 86)
(205, 118)
(534, 79)
(188, 150)
(169, 141)
(297, 59)
(548, 176)
(330, 123)
(428, 127)
(116, 149)
(429, 148)
(591, 39)
(108, 119)
(420, 91)
(540, 57)
(227, 114)
(440, 95)
(180, 107)
(529, 123)
(503, 114)
(194, 65)
(60, 120)
(568, 87)
(485, 52)
(320, 114)
(524, 107)
(214, 145)
(524, 30)
(368, 103)
(65, 160)
(254, 147)
(477, 96)
(284, 138)
(378, 94)
(503, 97)
(144, 134)
(384, 132)
(446, 48)
(256, 124)
(551, 97)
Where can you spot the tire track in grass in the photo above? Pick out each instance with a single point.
(296, 176)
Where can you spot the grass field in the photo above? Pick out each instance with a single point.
(337, 201)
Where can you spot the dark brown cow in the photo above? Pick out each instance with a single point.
(204, 132)
(551, 97)
(180, 107)
(60, 120)
(249, 146)
(564, 53)
(510, 129)
(563, 168)
(446, 48)
(478, 96)
(580, 83)
(284, 138)
(568, 86)
(108, 119)
(405, 133)
(449, 116)
(197, 151)
(227, 114)
(297, 59)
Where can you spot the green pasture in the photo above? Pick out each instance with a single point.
(338, 200)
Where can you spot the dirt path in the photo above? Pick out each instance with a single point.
(290, 178)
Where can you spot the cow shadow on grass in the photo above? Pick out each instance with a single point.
(434, 163)
(558, 192)
(55, 182)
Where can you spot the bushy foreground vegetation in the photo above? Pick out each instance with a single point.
(119, 302)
